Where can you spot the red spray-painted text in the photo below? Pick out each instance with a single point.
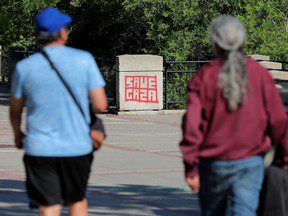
(141, 89)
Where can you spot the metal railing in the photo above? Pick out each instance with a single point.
(4, 74)
(283, 92)
(10, 57)
(176, 75)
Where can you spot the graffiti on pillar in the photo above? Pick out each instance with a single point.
(141, 89)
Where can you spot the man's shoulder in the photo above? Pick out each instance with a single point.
(78, 52)
(31, 61)
(36, 59)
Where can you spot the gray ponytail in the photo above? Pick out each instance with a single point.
(228, 34)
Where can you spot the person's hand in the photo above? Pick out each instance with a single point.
(97, 138)
(193, 183)
(19, 140)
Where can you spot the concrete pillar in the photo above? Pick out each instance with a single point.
(139, 82)
(259, 57)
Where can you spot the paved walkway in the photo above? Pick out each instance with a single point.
(137, 172)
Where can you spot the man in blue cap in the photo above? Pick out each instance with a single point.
(58, 148)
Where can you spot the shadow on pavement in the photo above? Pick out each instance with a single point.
(116, 200)
(13, 198)
(154, 199)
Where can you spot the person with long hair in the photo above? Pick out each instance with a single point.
(233, 107)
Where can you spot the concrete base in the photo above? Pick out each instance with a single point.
(172, 112)
(271, 65)
(277, 74)
(136, 113)
(260, 57)
(144, 112)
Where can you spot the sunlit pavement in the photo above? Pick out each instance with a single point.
(137, 172)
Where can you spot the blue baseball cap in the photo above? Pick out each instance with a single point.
(51, 20)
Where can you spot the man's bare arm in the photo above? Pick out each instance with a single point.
(16, 109)
(98, 100)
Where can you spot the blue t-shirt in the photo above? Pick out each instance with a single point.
(55, 126)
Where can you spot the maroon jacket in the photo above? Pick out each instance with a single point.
(210, 130)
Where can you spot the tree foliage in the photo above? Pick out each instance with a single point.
(16, 21)
(175, 29)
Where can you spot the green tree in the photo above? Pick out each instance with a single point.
(16, 21)
(174, 29)
(178, 29)
(267, 28)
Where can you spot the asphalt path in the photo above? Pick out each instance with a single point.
(137, 172)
